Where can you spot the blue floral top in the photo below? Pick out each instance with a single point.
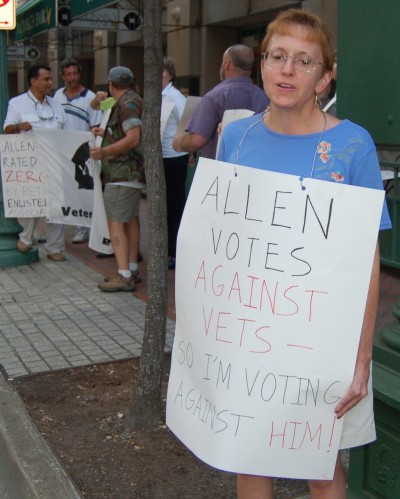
(345, 153)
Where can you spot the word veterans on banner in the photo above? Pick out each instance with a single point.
(24, 177)
(265, 271)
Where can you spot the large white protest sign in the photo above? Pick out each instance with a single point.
(271, 285)
(49, 173)
(24, 177)
(66, 155)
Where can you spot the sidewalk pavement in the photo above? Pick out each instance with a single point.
(53, 316)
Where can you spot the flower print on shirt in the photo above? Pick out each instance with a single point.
(334, 162)
(337, 176)
(323, 150)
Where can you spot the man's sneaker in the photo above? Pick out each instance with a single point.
(81, 235)
(118, 283)
(135, 276)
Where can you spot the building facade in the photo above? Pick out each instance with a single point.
(195, 34)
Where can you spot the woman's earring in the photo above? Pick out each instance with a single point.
(316, 101)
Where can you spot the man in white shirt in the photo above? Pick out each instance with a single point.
(175, 163)
(30, 110)
(75, 99)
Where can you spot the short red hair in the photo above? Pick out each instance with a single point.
(317, 31)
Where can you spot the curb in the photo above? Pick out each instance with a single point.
(28, 468)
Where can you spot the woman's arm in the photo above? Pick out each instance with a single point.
(358, 388)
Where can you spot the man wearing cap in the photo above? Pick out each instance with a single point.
(123, 177)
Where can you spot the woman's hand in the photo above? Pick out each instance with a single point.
(356, 392)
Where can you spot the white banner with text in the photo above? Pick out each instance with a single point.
(49, 173)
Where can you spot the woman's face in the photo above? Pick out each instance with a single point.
(286, 86)
(166, 78)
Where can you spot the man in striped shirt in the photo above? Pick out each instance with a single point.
(75, 99)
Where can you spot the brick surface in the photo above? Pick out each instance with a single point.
(53, 316)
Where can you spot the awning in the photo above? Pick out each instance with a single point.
(34, 17)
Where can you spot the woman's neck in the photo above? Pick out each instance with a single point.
(290, 122)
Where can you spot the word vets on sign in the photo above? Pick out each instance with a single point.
(7, 14)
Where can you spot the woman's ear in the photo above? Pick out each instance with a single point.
(262, 68)
(323, 82)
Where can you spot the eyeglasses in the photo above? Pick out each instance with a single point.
(302, 61)
(45, 112)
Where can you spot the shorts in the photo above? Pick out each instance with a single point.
(121, 203)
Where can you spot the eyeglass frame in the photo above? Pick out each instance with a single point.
(294, 59)
(37, 102)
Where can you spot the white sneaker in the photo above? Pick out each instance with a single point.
(81, 235)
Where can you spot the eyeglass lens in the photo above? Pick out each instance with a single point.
(301, 61)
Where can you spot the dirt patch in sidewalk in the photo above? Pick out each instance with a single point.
(81, 414)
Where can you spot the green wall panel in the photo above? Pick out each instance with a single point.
(369, 66)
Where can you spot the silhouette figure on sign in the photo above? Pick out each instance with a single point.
(81, 159)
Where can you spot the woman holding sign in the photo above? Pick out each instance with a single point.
(295, 137)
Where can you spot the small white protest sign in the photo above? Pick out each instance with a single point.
(24, 177)
(271, 286)
(191, 103)
(166, 110)
(229, 116)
